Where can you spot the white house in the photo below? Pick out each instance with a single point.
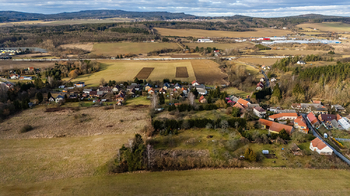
(320, 147)
(301, 63)
(59, 98)
(205, 40)
(259, 111)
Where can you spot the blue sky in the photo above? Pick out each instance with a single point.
(267, 8)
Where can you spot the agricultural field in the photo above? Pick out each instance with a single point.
(259, 61)
(8, 64)
(222, 46)
(196, 182)
(293, 52)
(181, 72)
(326, 26)
(64, 22)
(83, 46)
(259, 32)
(144, 73)
(208, 72)
(69, 122)
(113, 49)
(202, 70)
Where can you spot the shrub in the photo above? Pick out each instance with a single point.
(26, 128)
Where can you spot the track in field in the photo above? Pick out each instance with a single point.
(144, 73)
(181, 72)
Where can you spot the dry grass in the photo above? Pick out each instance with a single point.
(293, 52)
(37, 160)
(260, 61)
(85, 122)
(85, 46)
(208, 72)
(197, 182)
(260, 32)
(127, 70)
(8, 64)
(326, 26)
(113, 49)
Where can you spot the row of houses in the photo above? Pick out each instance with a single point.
(331, 121)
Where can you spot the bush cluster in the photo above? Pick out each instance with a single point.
(26, 128)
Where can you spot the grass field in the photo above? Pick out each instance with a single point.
(327, 26)
(222, 46)
(260, 61)
(196, 182)
(235, 91)
(113, 49)
(85, 122)
(127, 70)
(205, 71)
(83, 46)
(293, 52)
(65, 22)
(260, 32)
(9, 64)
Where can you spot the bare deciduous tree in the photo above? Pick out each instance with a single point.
(154, 101)
(191, 98)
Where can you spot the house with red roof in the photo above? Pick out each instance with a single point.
(300, 124)
(202, 99)
(243, 102)
(312, 119)
(274, 127)
(320, 147)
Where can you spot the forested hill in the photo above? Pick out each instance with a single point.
(12, 16)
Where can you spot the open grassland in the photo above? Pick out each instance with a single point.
(258, 32)
(83, 46)
(235, 91)
(37, 160)
(196, 182)
(326, 26)
(113, 49)
(222, 46)
(9, 64)
(66, 123)
(319, 63)
(127, 70)
(208, 72)
(250, 67)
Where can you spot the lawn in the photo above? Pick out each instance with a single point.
(113, 49)
(127, 71)
(235, 91)
(259, 32)
(138, 101)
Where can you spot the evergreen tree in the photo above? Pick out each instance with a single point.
(39, 96)
(49, 95)
(277, 92)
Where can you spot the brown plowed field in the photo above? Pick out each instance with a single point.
(144, 73)
(181, 72)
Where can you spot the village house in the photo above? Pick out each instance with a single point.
(51, 99)
(87, 90)
(100, 94)
(274, 127)
(14, 76)
(150, 91)
(25, 78)
(301, 63)
(313, 120)
(166, 86)
(202, 99)
(195, 83)
(93, 94)
(162, 91)
(338, 108)
(320, 147)
(259, 111)
(326, 117)
(243, 103)
(322, 110)
(116, 88)
(283, 116)
(344, 123)
(59, 98)
(79, 84)
(105, 89)
(300, 124)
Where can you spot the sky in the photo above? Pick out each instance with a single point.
(258, 8)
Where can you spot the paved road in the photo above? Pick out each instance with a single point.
(341, 156)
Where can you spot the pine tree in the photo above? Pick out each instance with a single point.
(49, 95)
(39, 96)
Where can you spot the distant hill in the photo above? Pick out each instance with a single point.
(12, 16)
